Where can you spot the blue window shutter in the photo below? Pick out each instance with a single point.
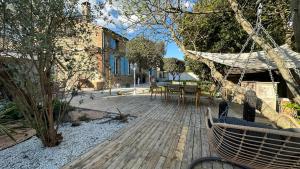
(122, 65)
(126, 67)
(112, 63)
(113, 43)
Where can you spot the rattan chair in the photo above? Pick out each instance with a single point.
(253, 145)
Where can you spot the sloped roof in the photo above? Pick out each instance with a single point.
(258, 60)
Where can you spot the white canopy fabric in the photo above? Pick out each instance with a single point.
(258, 60)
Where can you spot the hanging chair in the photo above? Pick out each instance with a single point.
(254, 145)
(249, 144)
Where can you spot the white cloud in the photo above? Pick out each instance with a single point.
(110, 15)
(189, 4)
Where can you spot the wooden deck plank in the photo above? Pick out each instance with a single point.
(164, 136)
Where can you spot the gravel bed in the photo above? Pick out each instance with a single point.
(77, 140)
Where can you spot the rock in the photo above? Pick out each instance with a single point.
(75, 124)
(25, 156)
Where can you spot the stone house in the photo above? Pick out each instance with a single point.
(107, 49)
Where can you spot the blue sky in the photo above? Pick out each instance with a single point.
(174, 51)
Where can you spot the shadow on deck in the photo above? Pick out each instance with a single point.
(165, 135)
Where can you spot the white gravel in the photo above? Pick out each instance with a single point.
(77, 140)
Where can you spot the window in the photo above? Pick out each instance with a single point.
(113, 43)
(117, 44)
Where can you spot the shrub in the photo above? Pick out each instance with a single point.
(61, 107)
(295, 107)
(10, 111)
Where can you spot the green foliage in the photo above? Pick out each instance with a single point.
(220, 32)
(10, 112)
(174, 66)
(146, 53)
(53, 51)
(201, 69)
(60, 108)
(4, 114)
(295, 107)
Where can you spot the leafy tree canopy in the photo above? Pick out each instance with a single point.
(174, 66)
(146, 53)
(220, 32)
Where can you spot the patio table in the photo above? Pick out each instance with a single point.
(193, 89)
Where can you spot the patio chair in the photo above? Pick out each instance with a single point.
(254, 145)
(174, 90)
(154, 88)
(191, 92)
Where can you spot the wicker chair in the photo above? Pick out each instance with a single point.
(254, 145)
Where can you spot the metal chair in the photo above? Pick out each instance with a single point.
(174, 90)
(154, 88)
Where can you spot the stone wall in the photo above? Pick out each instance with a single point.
(97, 41)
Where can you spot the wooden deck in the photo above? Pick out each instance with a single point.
(165, 135)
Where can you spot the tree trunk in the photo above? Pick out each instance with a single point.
(173, 76)
(271, 53)
(296, 22)
(50, 138)
(39, 119)
(263, 107)
(288, 32)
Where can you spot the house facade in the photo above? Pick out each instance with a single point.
(107, 49)
(112, 63)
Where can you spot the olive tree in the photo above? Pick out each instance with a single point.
(165, 18)
(146, 53)
(42, 59)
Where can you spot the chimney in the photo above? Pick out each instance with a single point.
(86, 11)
